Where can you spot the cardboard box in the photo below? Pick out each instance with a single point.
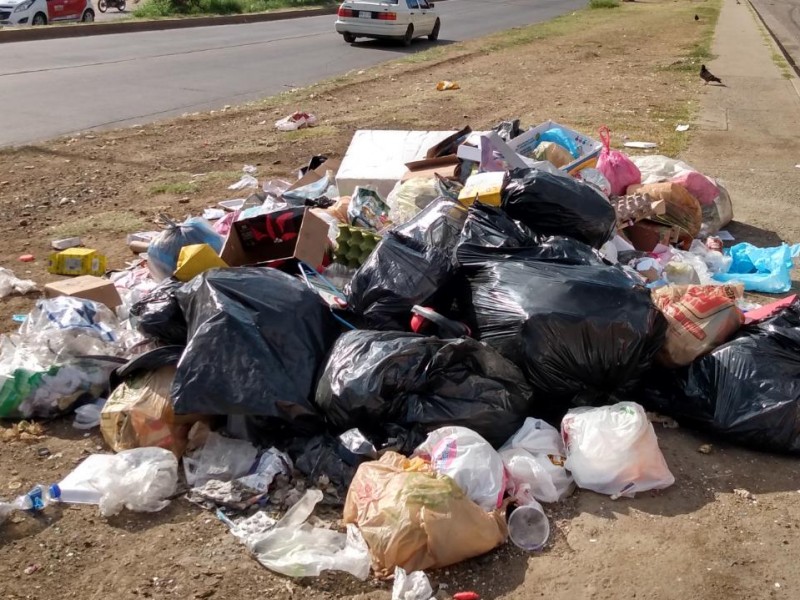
(485, 187)
(377, 159)
(331, 164)
(589, 148)
(250, 241)
(77, 261)
(87, 287)
(471, 150)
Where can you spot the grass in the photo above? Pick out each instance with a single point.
(309, 132)
(107, 222)
(154, 9)
(700, 52)
(603, 4)
(176, 188)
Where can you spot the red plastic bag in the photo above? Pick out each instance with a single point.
(616, 166)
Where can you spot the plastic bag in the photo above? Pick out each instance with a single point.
(164, 250)
(296, 549)
(616, 166)
(580, 330)
(657, 168)
(554, 153)
(399, 273)
(416, 520)
(554, 205)
(141, 480)
(746, 391)
(411, 196)
(595, 178)
(367, 209)
(324, 187)
(158, 314)
(373, 378)
(87, 416)
(220, 459)
(560, 137)
(11, 284)
(438, 224)
(534, 458)
(613, 450)
(410, 586)
(761, 269)
(699, 319)
(473, 464)
(256, 339)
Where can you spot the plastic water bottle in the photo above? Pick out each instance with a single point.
(38, 498)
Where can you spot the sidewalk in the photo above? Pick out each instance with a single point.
(748, 133)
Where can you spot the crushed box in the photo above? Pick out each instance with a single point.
(87, 287)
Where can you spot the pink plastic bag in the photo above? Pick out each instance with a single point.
(699, 186)
(616, 167)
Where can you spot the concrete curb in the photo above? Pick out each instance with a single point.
(786, 54)
(82, 30)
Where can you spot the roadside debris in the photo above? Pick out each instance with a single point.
(296, 121)
(447, 85)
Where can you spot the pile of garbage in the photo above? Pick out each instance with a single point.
(440, 332)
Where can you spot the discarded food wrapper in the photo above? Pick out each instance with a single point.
(367, 209)
(296, 121)
(11, 284)
(246, 181)
(682, 128)
(447, 85)
(411, 586)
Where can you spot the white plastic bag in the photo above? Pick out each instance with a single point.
(11, 284)
(220, 459)
(140, 480)
(613, 450)
(534, 459)
(295, 548)
(411, 586)
(470, 460)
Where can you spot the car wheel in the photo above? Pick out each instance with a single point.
(121, 6)
(409, 36)
(88, 17)
(102, 5)
(434, 35)
(349, 38)
(39, 19)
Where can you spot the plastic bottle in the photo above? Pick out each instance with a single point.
(38, 498)
(528, 527)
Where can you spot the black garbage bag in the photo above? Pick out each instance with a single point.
(439, 224)
(373, 378)
(257, 337)
(158, 314)
(555, 205)
(580, 330)
(747, 391)
(399, 273)
(490, 234)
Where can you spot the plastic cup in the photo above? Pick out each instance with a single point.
(528, 527)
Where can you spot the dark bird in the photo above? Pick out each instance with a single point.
(696, 18)
(707, 76)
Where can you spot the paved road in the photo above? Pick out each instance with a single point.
(55, 87)
(783, 19)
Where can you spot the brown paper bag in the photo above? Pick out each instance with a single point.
(417, 520)
(683, 209)
(139, 413)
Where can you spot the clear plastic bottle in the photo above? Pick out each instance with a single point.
(38, 498)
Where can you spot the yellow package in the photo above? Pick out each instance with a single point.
(485, 187)
(77, 261)
(196, 259)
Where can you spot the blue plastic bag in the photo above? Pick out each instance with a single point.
(761, 269)
(164, 250)
(559, 136)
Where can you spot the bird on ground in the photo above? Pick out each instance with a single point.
(707, 76)
(696, 18)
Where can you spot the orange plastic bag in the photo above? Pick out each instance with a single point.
(417, 520)
(700, 318)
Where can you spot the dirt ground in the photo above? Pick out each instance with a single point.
(622, 67)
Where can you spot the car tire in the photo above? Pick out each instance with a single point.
(39, 19)
(88, 17)
(409, 36)
(434, 35)
(102, 5)
(121, 6)
(349, 38)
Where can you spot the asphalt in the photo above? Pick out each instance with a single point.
(61, 86)
(782, 17)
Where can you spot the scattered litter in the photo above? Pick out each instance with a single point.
(66, 243)
(447, 85)
(27, 258)
(11, 284)
(725, 236)
(296, 121)
(213, 214)
(705, 449)
(411, 586)
(246, 181)
(744, 494)
(641, 145)
(682, 128)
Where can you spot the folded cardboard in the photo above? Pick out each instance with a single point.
(377, 159)
(449, 145)
(249, 243)
(87, 287)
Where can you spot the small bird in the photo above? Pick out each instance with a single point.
(696, 18)
(707, 76)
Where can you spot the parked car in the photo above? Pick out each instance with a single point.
(42, 12)
(394, 19)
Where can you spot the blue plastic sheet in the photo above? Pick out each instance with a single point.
(765, 270)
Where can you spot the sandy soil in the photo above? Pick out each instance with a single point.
(695, 540)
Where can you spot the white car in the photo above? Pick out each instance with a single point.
(42, 12)
(398, 19)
